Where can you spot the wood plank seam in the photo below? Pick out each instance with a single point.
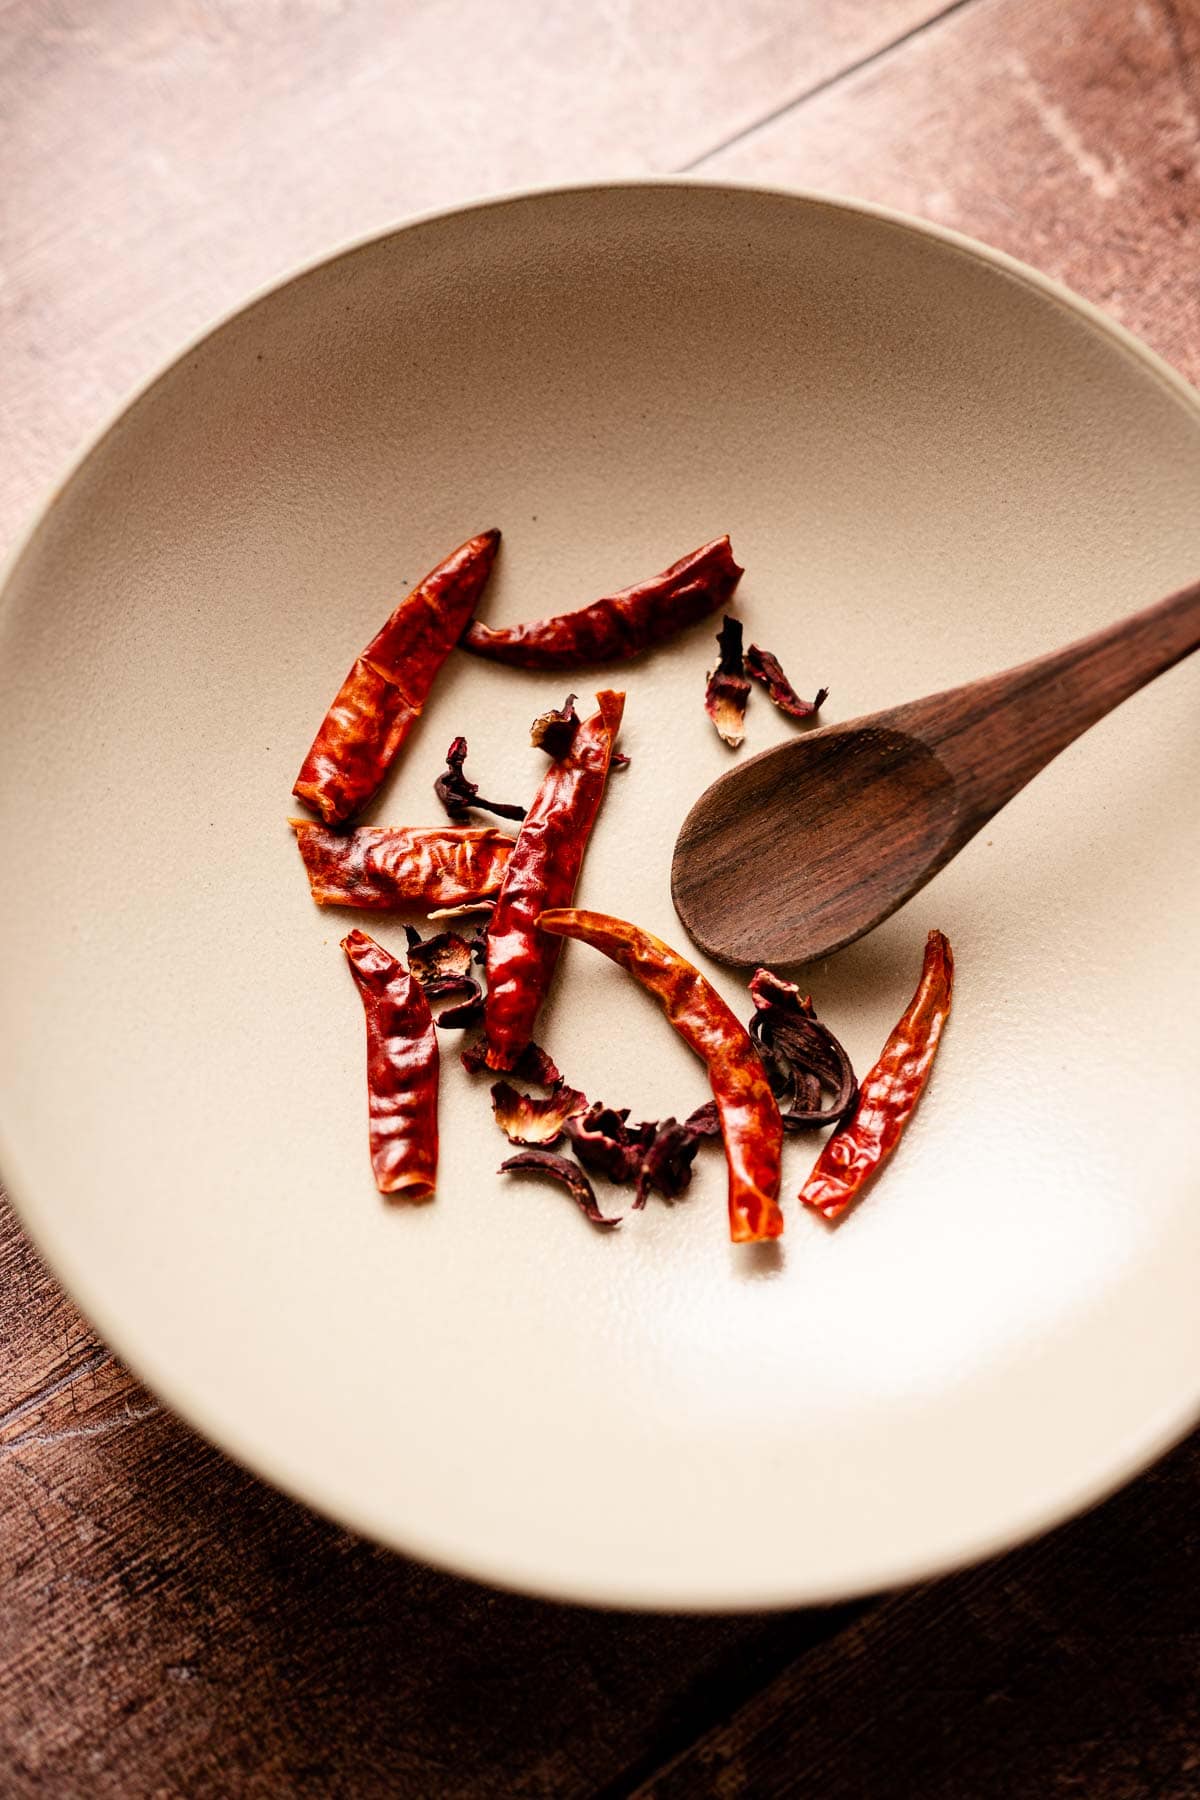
(884, 51)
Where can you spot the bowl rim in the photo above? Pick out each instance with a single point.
(1141, 1448)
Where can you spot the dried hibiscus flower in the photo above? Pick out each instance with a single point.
(728, 689)
(533, 1119)
(705, 1122)
(442, 965)
(667, 1163)
(458, 795)
(604, 1143)
(534, 1064)
(803, 1059)
(560, 1168)
(765, 669)
(554, 731)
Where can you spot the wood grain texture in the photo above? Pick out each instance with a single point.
(1070, 1667)
(170, 1626)
(1068, 135)
(163, 158)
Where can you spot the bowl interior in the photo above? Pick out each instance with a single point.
(931, 466)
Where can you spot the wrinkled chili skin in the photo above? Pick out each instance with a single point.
(620, 625)
(402, 1071)
(381, 698)
(386, 866)
(749, 1116)
(888, 1094)
(542, 871)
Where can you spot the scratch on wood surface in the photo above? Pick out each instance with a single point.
(96, 1360)
(129, 1415)
(1105, 180)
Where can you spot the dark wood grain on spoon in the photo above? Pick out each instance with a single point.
(803, 849)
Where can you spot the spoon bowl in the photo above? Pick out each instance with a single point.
(816, 805)
(801, 850)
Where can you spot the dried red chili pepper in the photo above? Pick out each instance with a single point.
(535, 1119)
(560, 1168)
(542, 872)
(765, 669)
(803, 1058)
(554, 731)
(728, 690)
(749, 1117)
(458, 795)
(376, 706)
(888, 1093)
(621, 625)
(402, 1071)
(393, 866)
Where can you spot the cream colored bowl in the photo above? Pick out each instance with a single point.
(932, 463)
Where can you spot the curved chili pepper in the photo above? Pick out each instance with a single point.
(888, 1093)
(383, 866)
(381, 698)
(746, 1107)
(402, 1071)
(542, 871)
(621, 625)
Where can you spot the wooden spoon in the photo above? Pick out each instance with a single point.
(802, 849)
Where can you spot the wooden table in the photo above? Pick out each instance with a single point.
(170, 1627)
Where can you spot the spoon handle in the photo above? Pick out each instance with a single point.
(995, 734)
